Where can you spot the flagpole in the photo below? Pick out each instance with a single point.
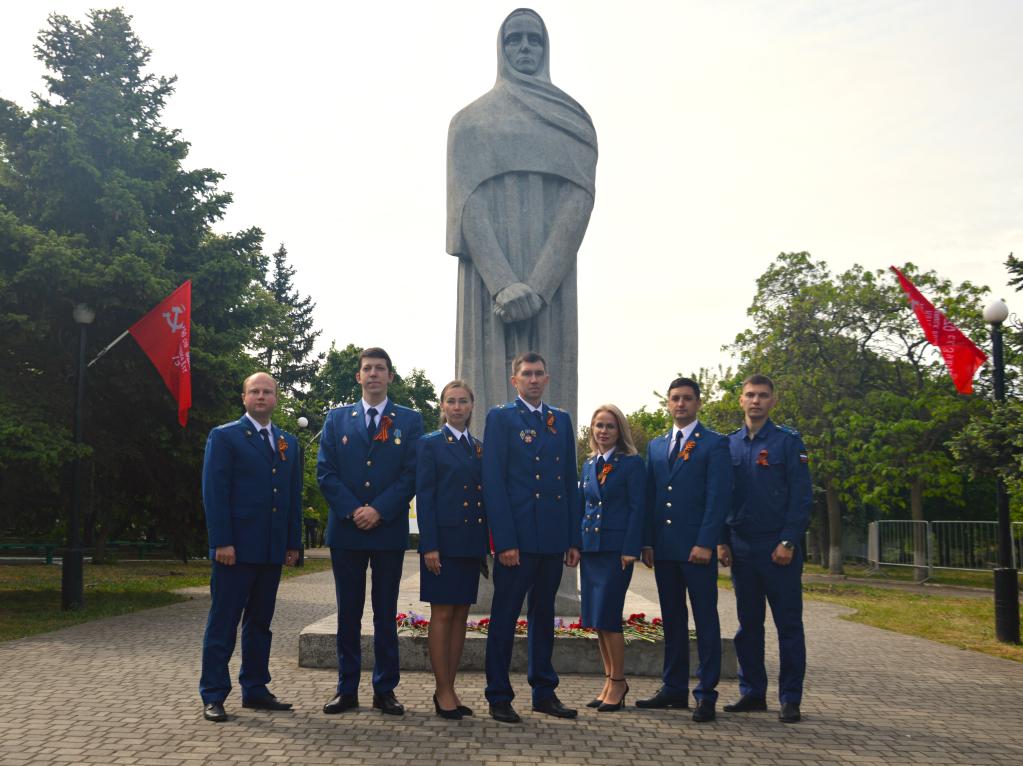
(113, 343)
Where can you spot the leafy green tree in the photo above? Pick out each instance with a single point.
(856, 377)
(96, 207)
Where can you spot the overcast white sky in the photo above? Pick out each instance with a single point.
(871, 132)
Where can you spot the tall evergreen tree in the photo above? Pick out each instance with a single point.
(96, 207)
(285, 348)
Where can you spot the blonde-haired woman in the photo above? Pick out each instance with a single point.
(611, 497)
(452, 536)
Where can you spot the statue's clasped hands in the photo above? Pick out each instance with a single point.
(517, 302)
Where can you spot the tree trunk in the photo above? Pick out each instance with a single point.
(916, 509)
(834, 530)
(822, 535)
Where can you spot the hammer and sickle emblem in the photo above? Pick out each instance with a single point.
(173, 323)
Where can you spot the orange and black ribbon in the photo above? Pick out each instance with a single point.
(385, 425)
(282, 447)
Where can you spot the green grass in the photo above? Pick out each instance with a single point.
(30, 593)
(967, 623)
(905, 574)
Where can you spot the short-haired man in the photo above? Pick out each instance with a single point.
(367, 472)
(689, 485)
(762, 541)
(529, 489)
(252, 493)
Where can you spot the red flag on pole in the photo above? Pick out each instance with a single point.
(164, 335)
(962, 357)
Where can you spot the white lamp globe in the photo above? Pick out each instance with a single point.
(996, 312)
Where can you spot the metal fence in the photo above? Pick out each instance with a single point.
(930, 545)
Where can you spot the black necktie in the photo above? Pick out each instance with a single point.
(539, 416)
(600, 466)
(463, 439)
(675, 449)
(265, 433)
(372, 427)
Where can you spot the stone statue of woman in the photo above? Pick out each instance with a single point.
(521, 169)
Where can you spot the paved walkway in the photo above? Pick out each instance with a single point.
(123, 691)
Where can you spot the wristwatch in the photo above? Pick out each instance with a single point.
(788, 545)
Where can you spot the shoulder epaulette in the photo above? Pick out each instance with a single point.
(787, 430)
(508, 406)
(432, 435)
(734, 432)
(554, 409)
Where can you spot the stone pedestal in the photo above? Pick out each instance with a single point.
(317, 649)
(566, 603)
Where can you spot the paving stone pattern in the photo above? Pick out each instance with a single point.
(124, 691)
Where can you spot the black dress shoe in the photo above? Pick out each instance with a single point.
(214, 712)
(747, 704)
(504, 712)
(610, 707)
(466, 711)
(662, 700)
(552, 706)
(341, 703)
(789, 712)
(269, 702)
(387, 703)
(704, 711)
(454, 714)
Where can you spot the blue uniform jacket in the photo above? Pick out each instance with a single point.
(449, 496)
(688, 501)
(252, 501)
(612, 513)
(773, 494)
(529, 480)
(353, 472)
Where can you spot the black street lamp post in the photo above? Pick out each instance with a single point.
(71, 579)
(1006, 578)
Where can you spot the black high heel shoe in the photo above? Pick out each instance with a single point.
(596, 701)
(619, 705)
(451, 715)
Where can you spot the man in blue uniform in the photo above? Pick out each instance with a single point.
(252, 493)
(529, 490)
(367, 472)
(762, 542)
(689, 485)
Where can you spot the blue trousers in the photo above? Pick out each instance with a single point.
(759, 581)
(350, 590)
(537, 576)
(674, 579)
(246, 592)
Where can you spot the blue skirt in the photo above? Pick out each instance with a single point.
(457, 583)
(603, 590)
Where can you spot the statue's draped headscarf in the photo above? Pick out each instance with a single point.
(523, 124)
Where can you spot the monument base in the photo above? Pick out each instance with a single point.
(317, 648)
(566, 600)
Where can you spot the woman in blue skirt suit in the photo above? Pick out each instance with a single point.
(452, 536)
(612, 489)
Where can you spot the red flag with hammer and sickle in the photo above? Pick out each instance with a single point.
(164, 335)
(962, 357)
